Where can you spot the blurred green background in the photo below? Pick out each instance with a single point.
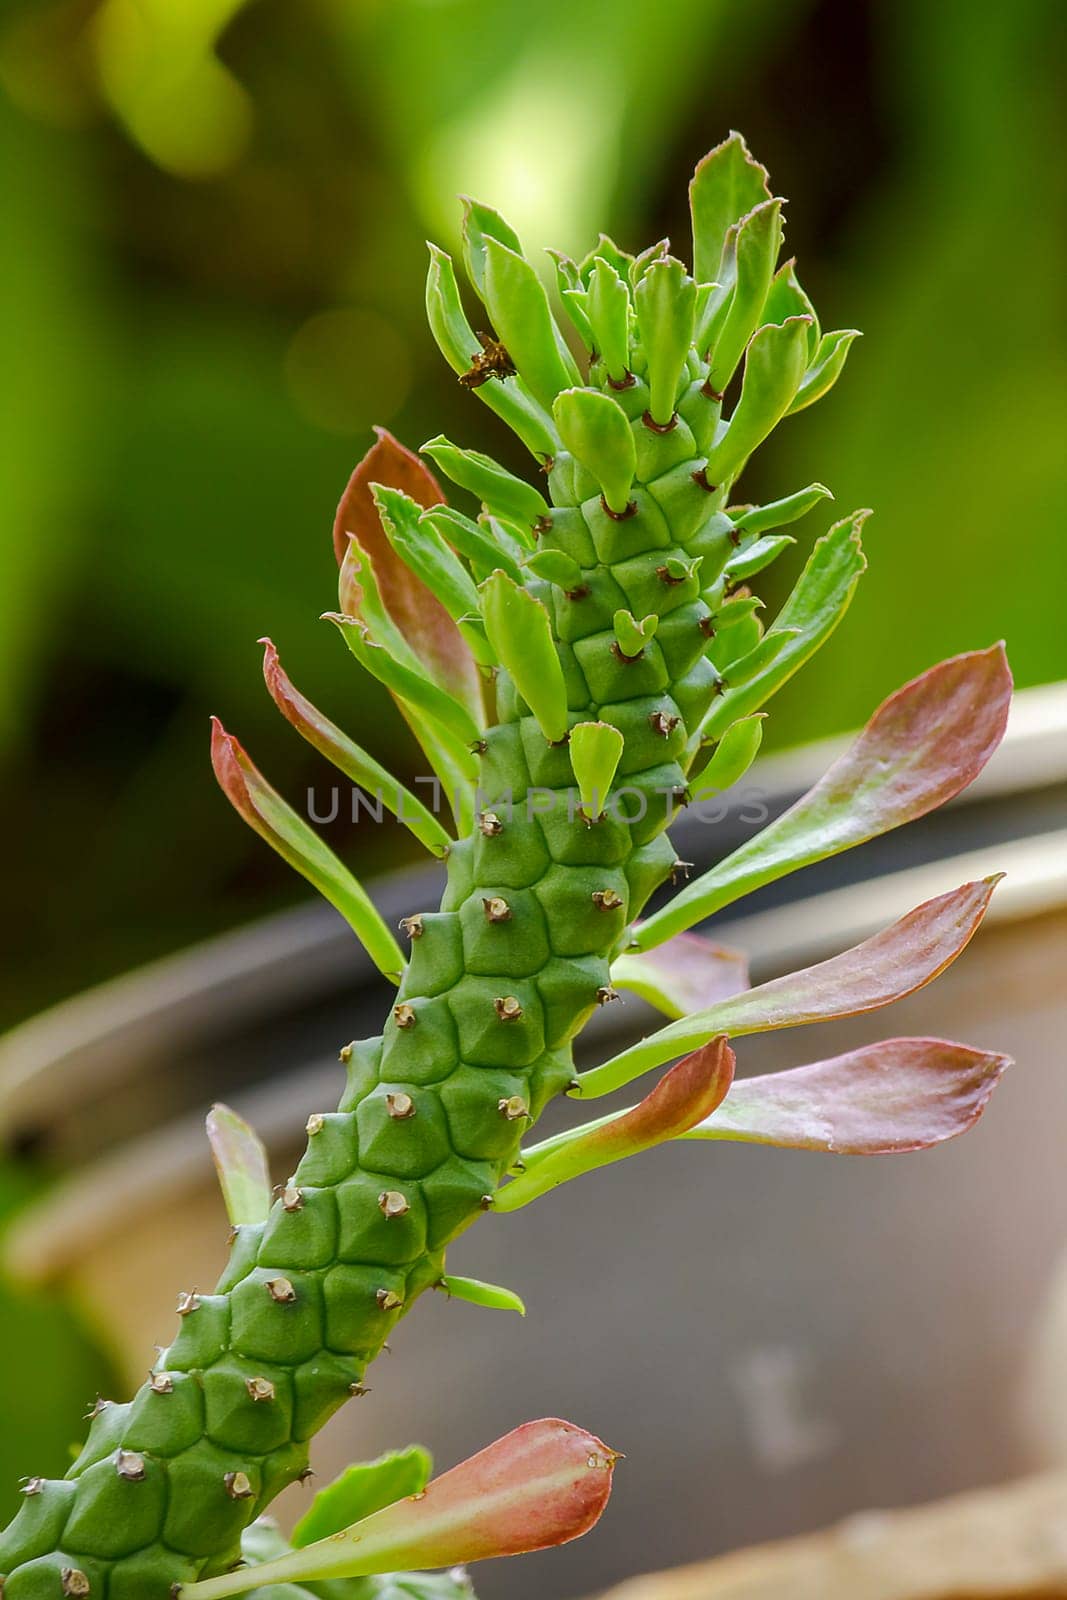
(211, 287)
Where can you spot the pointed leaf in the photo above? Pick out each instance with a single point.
(684, 1096)
(686, 974)
(474, 541)
(498, 490)
(632, 635)
(481, 222)
(756, 556)
(904, 957)
(774, 367)
(361, 1490)
(350, 758)
(433, 561)
(573, 294)
(541, 1485)
(665, 300)
(596, 431)
(749, 261)
(607, 250)
(264, 810)
(555, 566)
(405, 681)
(411, 605)
(608, 309)
(819, 600)
(596, 750)
(727, 184)
(241, 1163)
(826, 367)
(903, 1094)
(758, 661)
(477, 1293)
(786, 298)
(520, 633)
(730, 759)
(519, 308)
(510, 400)
(922, 746)
(779, 513)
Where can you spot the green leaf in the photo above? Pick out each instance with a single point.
(477, 1293)
(596, 750)
(756, 663)
(631, 636)
(774, 367)
(826, 367)
(665, 300)
(362, 1489)
(733, 317)
(684, 1096)
(520, 633)
(818, 602)
(499, 490)
(474, 542)
(241, 1163)
(555, 566)
(608, 308)
(780, 513)
(422, 549)
(686, 974)
(922, 746)
(510, 400)
(607, 250)
(350, 758)
(785, 299)
(480, 223)
(519, 308)
(755, 556)
(406, 682)
(727, 185)
(730, 759)
(264, 810)
(596, 431)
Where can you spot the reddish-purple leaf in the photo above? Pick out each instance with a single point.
(688, 973)
(241, 1163)
(413, 608)
(541, 1485)
(685, 1095)
(922, 746)
(903, 1094)
(886, 967)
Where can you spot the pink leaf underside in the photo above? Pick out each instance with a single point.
(235, 772)
(296, 707)
(541, 1485)
(684, 1096)
(415, 610)
(886, 967)
(688, 972)
(902, 1094)
(241, 1163)
(923, 745)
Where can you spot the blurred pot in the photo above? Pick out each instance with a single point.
(774, 1339)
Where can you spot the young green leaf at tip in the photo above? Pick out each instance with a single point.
(264, 810)
(774, 367)
(476, 1293)
(780, 513)
(595, 750)
(608, 311)
(500, 491)
(541, 1485)
(665, 301)
(631, 636)
(595, 429)
(361, 1490)
(241, 1163)
(728, 183)
(727, 762)
(520, 311)
(520, 632)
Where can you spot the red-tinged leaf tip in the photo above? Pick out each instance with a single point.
(226, 759)
(927, 742)
(241, 1163)
(389, 462)
(544, 1484)
(885, 1099)
(688, 973)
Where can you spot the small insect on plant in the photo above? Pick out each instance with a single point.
(577, 661)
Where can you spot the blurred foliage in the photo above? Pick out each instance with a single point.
(211, 286)
(42, 1420)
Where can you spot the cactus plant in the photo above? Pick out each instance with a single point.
(577, 661)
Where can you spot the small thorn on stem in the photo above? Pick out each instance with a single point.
(292, 1198)
(161, 1383)
(100, 1405)
(31, 1487)
(606, 899)
(489, 824)
(281, 1291)
(238, 1485)
(479, 747)
(130, 1465)
(542, 526)
(315, 1124)
(507, 1008)
(496, 909)
(404, 1015)
(680, 870)
(344, 1055)
(413, 926)
(260, 1390)
(74, 1584)
(513, 1108)
(662, 723)
(487, 1202)
(188, 1302)
(305, 1476)
(391, 1203)
(358, 1390)
(388, 1300)
(399, 1105)
(606, 994)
